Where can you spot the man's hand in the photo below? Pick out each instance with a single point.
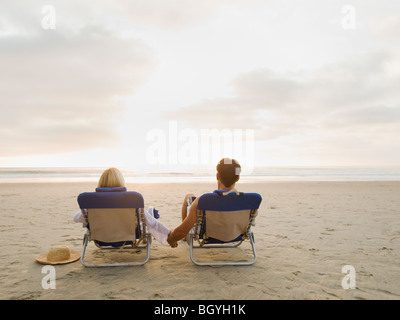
(172, 243)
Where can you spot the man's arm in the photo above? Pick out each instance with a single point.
(182, 230)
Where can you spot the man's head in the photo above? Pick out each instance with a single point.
(228, 171)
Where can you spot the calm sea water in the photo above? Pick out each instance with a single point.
(24, 175)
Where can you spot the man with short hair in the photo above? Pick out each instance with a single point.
(228, 173)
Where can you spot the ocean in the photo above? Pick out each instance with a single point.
(259, 174)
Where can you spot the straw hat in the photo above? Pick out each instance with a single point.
(58, 255)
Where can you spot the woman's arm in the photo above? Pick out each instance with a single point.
(157, 229)
(78, 217)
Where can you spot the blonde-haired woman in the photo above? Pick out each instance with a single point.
(113, 178)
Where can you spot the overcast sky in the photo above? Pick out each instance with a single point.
(100, 83)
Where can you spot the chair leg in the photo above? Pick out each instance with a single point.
(85, 242)
(253, 247)
(233, 263)
(124, 264)
(191, 249)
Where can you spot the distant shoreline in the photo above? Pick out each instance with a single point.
(261, 174)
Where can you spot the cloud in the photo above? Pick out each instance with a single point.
(355, 93)
(300, 76)
(61, 88)
(171, 14)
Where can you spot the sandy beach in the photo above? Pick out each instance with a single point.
(306, 232)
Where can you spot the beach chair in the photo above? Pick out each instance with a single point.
(114, 219)
(224, 220)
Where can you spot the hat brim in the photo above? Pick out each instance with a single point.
(74, 255)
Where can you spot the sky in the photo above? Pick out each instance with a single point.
(172, 85)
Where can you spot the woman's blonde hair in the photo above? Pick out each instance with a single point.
(111, 178)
